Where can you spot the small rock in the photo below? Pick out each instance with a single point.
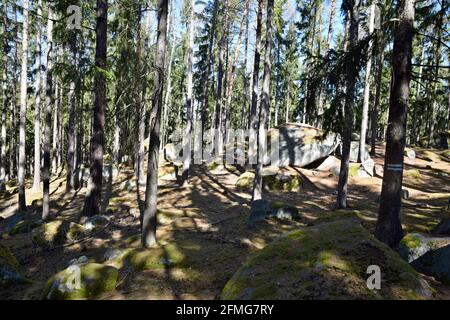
(262, 209)
(410, 153)
(405, 194)
(79, 261)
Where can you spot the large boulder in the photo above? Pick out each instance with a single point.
(9, 268)
(354, 151)
(415, 245)
(301, 144)
(263, 209)
(279, 181)
(327, 261)
(81, 282)
(435, 263)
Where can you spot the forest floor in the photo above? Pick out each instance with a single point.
(203, 225)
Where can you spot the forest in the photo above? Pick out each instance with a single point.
(225, 150)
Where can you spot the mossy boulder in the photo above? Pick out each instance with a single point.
(162, 257)
(81, 282)
(415, 245)
(9, 268)
(328, 261)
(271, 181)
(57, 232)
(262, 209)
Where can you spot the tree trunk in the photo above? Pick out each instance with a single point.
(189, 103)
(365, 111)
(351, 75)
(37, 112)
(148, 219)
(55, 141)
(93, 196)
(376, 105)
(389, 228)
(413, 139)
(253, 121)
(437, 57)
(23, 108)
(4, 107)
(330, 25)
(71, 129)
(222, 47)
(48, 117)
(265, 104)
(212, 36)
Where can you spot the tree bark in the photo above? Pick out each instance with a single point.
(93, 196)
(71, 129)
(376, 105)
(189, 103)
(265, 104)
(148, 219)
(389, 228)
(37, 111)
(413, 139)
(48, 117)
(4, 107)
(222, 47)
(253, 121)
(23, 108)
(367, 82)
(351, 75)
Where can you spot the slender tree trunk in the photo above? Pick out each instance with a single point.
(351, 74)
(205, 91)
(265, 104)
(330, 25)
(376, 105)
(48, 117)
(71, 130)
(93, 196)
(148, 219)
(189, 102)
(37, 112)
(222, 48)
(23, 108)
(365, 111)
(437, 57)
(253, 121)
(4, 107)
(389, 228)
(246, 84)
(415, 116)
(55, 140)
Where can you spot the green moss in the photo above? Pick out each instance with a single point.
(7, 257)
(94, 279)
(413, 174)
(245, 181)
(411, 241)
(213, 165)
(353, 170)
(163, 257)
(328, 261)
(270, 181)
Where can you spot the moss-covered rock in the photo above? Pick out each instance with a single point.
(81, 282)
(56, 233)
(9, 268)
(162, 257)
(415, 245)
(271, 181)
(328, 261)
(262, 209)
